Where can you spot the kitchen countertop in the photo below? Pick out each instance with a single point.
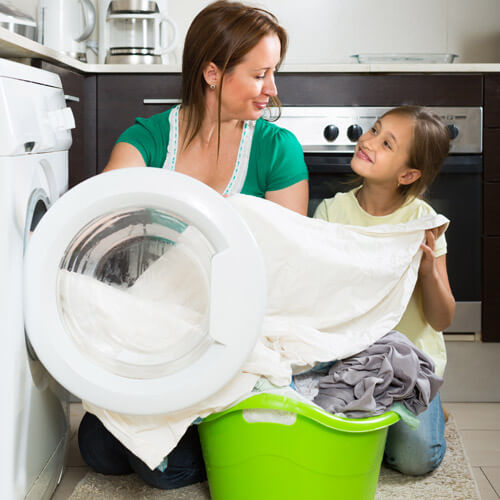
(14, 46)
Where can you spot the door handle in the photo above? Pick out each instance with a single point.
(162, 101)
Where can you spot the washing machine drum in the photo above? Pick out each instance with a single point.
(144, 291)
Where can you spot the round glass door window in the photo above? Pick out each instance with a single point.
(133, 291)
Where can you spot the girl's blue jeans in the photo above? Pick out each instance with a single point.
(416, 452)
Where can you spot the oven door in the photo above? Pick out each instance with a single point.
(456, 193)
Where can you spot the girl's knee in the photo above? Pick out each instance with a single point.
(415, 463)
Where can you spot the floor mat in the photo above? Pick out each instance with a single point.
(452, 480)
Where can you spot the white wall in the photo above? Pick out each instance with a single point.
(326, 31)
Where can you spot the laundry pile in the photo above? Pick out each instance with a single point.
(333, 291)
(390, 370)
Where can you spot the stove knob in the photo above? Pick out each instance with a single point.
(331, 132)
(453, 131)
(354, 132)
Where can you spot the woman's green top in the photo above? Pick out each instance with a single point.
(269, 157)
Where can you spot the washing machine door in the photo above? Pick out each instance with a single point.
(144, 291)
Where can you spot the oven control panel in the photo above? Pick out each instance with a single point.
(337, 129)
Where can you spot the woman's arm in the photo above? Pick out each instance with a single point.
(437, 299)
(294, 197)
(124, 155)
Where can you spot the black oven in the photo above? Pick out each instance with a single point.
(328, 136)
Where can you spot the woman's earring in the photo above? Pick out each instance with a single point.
(212, 86)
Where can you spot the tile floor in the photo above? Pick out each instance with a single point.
(479, 425)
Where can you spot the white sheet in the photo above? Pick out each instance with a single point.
(332, 291)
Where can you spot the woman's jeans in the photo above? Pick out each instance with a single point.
(105, 454)
(416, 452)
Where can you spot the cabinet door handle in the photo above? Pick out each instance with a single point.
(71, 98)
(162, 101)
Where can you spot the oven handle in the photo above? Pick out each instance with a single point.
(340, 164)
(463, 164)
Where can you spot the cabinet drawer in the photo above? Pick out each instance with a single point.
(120, 99)
(492, 100)
(490, 319)
(320, 89)
(492, 155)
(491, 290)
(491, 268)
(491, 209)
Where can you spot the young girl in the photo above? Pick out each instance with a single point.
(396, 160)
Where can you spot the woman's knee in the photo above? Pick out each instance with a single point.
(100, 449)
(185, 464)
(173, 477)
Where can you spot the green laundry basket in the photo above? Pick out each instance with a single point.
(314, 455)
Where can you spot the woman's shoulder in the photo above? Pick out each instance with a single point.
(273, 133)
(157, 120)
(150, 137)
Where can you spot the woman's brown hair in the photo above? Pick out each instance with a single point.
(222, 33)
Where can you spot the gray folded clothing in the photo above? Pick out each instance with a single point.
(368, 383)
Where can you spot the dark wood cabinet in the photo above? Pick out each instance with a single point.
(491, 146)
(492, 101)
(122, 98)
(358, 89)
(491, 211)
(80, 93)
(491, 289)
(491, 208)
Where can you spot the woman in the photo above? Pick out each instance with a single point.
(231, 53)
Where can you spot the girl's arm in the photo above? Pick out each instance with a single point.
(437, 299)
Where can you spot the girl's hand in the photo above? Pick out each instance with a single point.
(428, 262)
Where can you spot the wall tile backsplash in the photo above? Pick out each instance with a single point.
(329, 31)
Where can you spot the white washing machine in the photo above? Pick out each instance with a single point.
(112, 228)
(34, 141)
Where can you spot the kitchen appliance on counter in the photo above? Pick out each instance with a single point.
(135, 32)
(16, 21)
(34, 141)
(66, 25)
(328, 136)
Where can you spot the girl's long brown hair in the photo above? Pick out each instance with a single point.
(430, 144)
(222, 33)
(428, 149)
